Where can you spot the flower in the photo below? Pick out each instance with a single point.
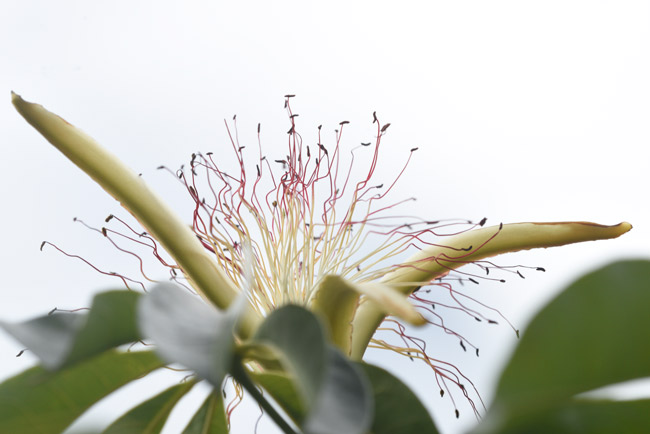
(309, 227)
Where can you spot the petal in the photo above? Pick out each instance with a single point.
(134, 195)
(337, 300)
(468, 247)
(478, 244)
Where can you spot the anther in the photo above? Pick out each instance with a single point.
(365, 144)
(109, 218)
(42, 244)
(385, 127)
(344, 122)
(20, 353)
(414, 149)
(473, 281)
(540, 269)
(520, 275)
(482, 222)
(462, 345)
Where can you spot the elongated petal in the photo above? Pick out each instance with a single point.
(482, 243)
(337, 300)
(134, 195)
(473, 246)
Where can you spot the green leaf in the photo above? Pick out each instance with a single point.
(397, 409)
(344, 403)
(282, 389)
(298, 335)
(210, 419)
(188, 331)
(63, 338)
(150, 416)
(594, 334)
(41, 402)
(593, 417)
(336, 394)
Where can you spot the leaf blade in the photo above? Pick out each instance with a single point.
(591, 416)
(150, 416)
(42, 402)
(188, 331)
(397, 409)
(303, 346)
(576, 342)
(63, 338)
(283, 391)
(210, 418)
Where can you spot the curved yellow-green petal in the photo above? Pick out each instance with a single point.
(337, 300)
(483, 243)
(134, 195)
(471, 246)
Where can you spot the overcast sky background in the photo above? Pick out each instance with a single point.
(522, 111)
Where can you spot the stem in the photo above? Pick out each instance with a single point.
(241, 376)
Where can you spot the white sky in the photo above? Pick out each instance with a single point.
(523, 111)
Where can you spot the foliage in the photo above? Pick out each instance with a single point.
(592, 335)
(588, 337)
(283, 328)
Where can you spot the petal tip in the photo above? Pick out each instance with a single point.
(15, 97)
